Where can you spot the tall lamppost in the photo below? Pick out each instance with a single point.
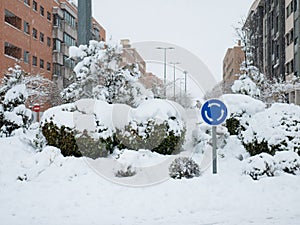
(185, 86)
(185, 73)
(174, 66)
(165, 66)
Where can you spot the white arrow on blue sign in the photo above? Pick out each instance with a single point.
(214, 112)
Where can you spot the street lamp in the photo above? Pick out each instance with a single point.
(174, 64)
(185, 73)
(165, 66)
(185, 84)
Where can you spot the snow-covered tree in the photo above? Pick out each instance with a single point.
(13, 95)
(101, 75)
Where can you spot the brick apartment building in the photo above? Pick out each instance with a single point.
(232, 62)
(37, 35)
(275, 34)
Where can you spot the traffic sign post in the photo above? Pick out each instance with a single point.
(214, 112)
(37, 109)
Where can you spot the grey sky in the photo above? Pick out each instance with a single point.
(203, 27)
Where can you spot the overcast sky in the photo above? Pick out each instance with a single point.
(203, 27)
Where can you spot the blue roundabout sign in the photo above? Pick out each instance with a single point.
(214, 112)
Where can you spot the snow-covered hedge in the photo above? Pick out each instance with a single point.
(241, 108)
(264, 164)
(156, 125)
(78, 129)
(275, 129)
(94, 128)
(184, 167)
(259, 166)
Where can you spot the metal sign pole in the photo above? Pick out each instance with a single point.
(214, 145)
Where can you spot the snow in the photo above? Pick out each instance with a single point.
(68, 191)
(17, 92)
(277, 124)
(238, 104)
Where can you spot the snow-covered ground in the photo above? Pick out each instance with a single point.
(68, 191)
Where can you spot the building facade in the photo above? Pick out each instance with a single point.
(274, 32)
(37, 34)
(232, 62)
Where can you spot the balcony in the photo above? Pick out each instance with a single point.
(57, 33)
(58, 58)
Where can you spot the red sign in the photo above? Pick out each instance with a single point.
(36, 108)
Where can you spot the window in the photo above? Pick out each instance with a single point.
(289, 38)
(57, 21)
(26, 27)
(69, 19)
(48, 41)
(48, 16)
(42, 11)
(68, 62)
(27, 2)
(34, 5)
(68, 40)
(26, 57)
(42, 63)
(34, 60)
(12, 51)
(48, 66)
(34, 33)
(57, 45)
(13, 20)
(41, 37)
(57, 69)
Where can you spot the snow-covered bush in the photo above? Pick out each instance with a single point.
(264, 164)
(156, 125)
(157, 137)
(77, 129)
(241, 108)
(288, 162)
(101, 75)
(184, 167)
(93, 147)
(244, 85)
(13, 95)
(202, 136)
(259, 166)
(62, 138)
(275, 129)
(34, 137)
(126, 172)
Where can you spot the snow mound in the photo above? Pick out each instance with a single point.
(239, 104)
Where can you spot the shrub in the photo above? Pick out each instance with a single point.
(157, 137)
(184, 167)
(93, 148)
(127, 172)
(62, 138)
(259, 166)
(275, 129)
(233, 125)
(34, 137)
(288, 162)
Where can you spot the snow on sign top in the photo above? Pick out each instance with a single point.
(214, 112)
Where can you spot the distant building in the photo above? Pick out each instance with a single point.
(130, 55)
(37, 35)
(232, 62)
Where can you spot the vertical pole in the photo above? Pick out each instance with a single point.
(38, 116)
(84, 34)
(185, 86)
(214, 143)
(174, 83)
(165, 72)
